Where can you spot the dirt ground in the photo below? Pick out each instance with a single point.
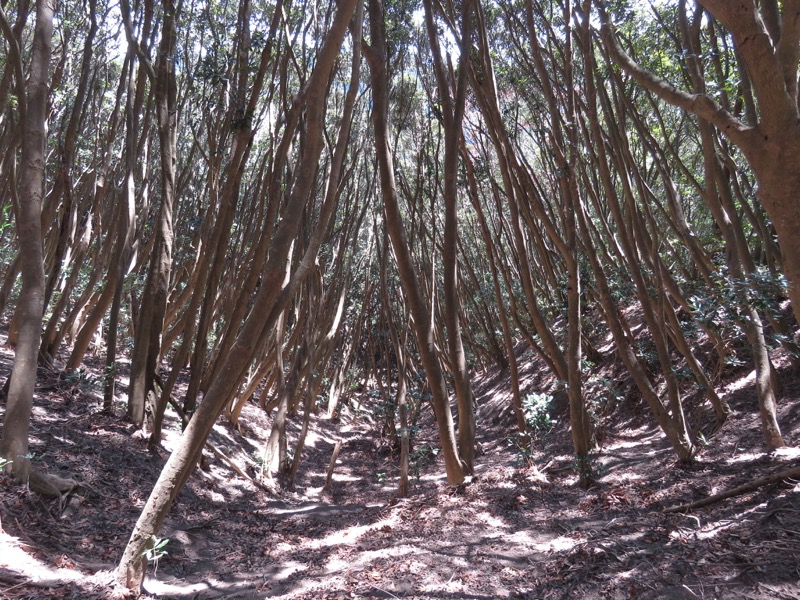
(520, 528)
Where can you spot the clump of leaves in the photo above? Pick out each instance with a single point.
(727, 299)
(83, 379)
(536, 408)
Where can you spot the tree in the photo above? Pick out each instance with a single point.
(147, 343)
(32, 106)
(376, 54)
(452, 113)
(130, 571)
(766, 39)
(765, 36)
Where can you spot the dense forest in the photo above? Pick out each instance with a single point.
(495, 238)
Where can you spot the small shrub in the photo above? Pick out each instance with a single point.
(536, 408)
(155, 550)
(420, 458)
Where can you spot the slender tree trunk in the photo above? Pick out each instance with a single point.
(508, 339)
(147, 344)
(452, 115)
(63, 185)
(32, 104)
(376, 55)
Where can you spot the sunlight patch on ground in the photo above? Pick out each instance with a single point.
(176, 588)
(453, 585)
(39, 411)
(350, 535)
(313, 493)
(340, 477)
(742, 382)
(744, 457)
(64, 440)
(632, 537)
(558, 544)
(505, 485)
(311, 439)
(296, 510)
(491, 520)
(338, 564)
(714, 529)
(628, 574)
(695, 530)
(14, 560)
(223, 431)
(627, 476)
(627, 445)
(435, 476)
(289, 568)
(788, 452)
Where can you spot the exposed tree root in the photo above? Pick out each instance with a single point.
(742, 489)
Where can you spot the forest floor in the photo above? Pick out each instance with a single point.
(520, 528)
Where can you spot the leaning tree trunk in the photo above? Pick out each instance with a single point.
(131, 569)
(771, 144)
(33, 113)
(565, 144)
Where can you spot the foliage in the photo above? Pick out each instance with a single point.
(155, 550)
(605, 393)
(729, 299)
(536, 407)
(84, 380)
(5, 218)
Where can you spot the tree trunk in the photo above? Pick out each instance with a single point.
(33, 113)
(130, 571)
(147, 344)
(452, 116)
(376, 56)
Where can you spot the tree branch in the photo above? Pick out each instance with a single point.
(698, 104)
(125, 9)
(788, 48)
(764, 65)
(16, 62)
(742, 489)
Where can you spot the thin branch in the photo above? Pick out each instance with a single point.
(16, 62)
(125, 9)
(788, 48)
(766, 68)
(742, 489)
(698, 104)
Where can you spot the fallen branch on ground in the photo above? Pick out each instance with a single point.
(230, 462)
(742, 489)
(332, 466)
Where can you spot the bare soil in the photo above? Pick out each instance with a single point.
(520, 528)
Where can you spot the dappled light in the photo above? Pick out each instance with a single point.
(399, 299)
